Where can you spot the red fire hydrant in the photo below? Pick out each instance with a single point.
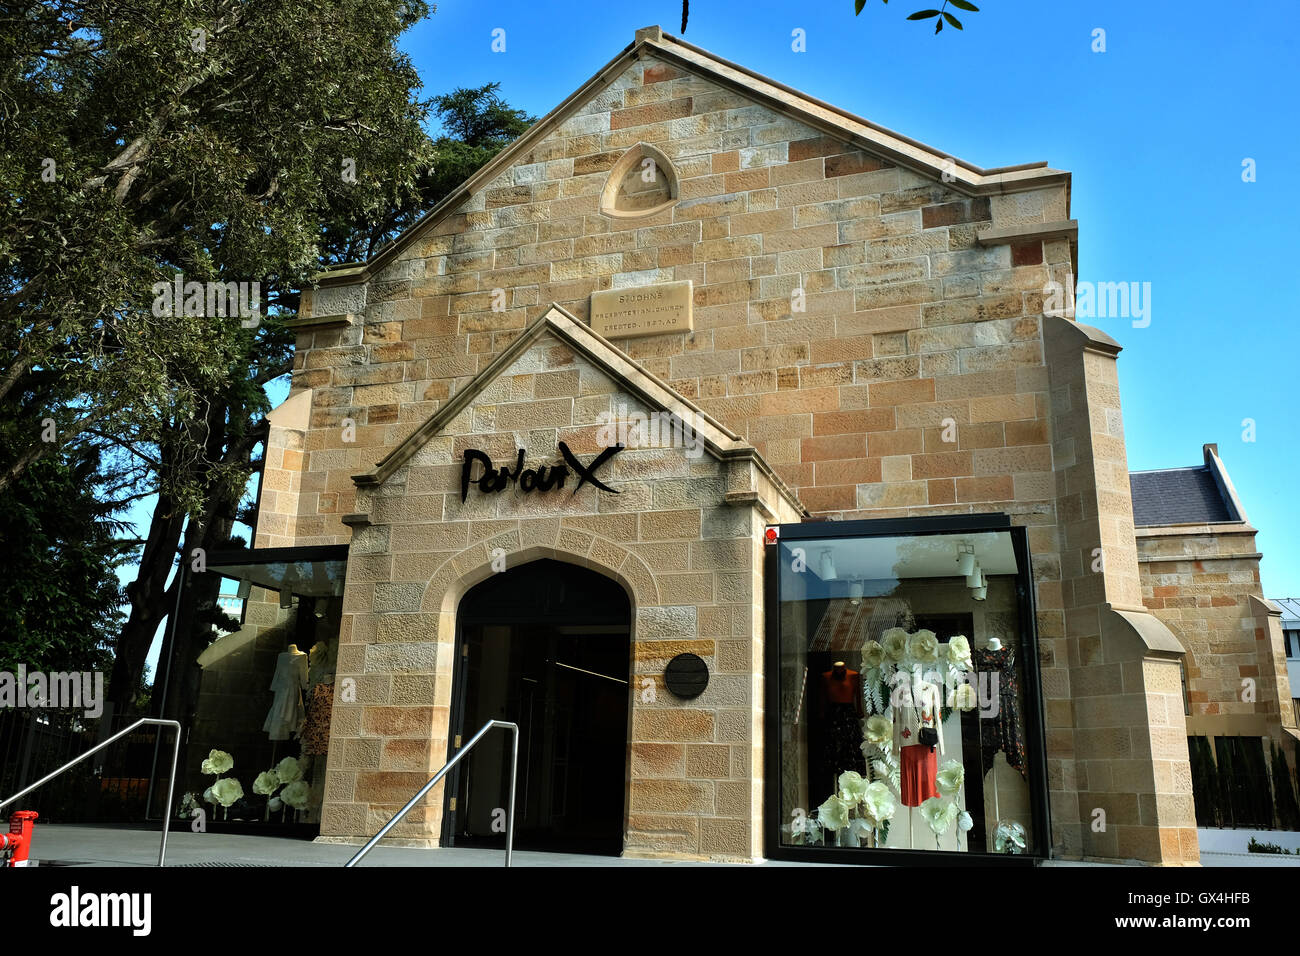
(17, 843)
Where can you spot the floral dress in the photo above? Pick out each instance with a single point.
(1001, 731)
(843, 741)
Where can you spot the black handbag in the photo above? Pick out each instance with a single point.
(928, 736)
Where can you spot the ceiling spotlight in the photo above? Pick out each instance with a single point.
(965, 558)
(980, 593)
(855, 593)
(286, 598)
(974, 577)
(828, 565)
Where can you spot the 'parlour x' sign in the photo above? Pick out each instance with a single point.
(543, 478)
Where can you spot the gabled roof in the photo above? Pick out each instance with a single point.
(718, 440)
(818, 114)
(1200, 494)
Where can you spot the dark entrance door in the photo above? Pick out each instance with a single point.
(545, 645)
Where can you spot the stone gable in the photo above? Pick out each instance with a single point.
(680, 531)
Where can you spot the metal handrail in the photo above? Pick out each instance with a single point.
(510, 817)
(171, 784)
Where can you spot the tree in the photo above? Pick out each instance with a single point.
(163, 141)
(205, 140)
(59, 592)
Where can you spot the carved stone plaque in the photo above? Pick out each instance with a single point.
(645, 310)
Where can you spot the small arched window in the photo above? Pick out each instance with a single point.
(642, 183)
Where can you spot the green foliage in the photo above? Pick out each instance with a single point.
(939, 15)
(59, 592)
(1254, 846)
(476, 124)
(206, 138)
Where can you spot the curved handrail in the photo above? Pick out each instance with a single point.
(171, 784)
(510, 813)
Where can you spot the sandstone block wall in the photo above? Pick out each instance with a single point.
(848, 322)
(688, 560)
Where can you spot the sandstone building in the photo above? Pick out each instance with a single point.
(856, 453)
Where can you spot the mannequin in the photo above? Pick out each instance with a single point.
(287, 713)
(320, 700)
(842, 714)
(1001, 731)
(918, 761)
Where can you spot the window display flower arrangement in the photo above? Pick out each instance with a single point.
(950, 778)
(288, 774)
(890, 667)
(224, 791)
(939, 815)
(861, 807)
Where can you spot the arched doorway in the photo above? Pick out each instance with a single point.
(546, 645)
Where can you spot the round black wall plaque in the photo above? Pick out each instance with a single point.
(687, 675)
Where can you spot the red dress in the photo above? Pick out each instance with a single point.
(918, 765)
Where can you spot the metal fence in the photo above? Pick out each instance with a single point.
(112, 787)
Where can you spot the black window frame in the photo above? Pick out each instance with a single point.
(1033, 715)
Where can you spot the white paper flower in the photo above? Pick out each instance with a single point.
(217, 763)
(852, 786)
(834, 813)
(959, 653)
(939, 816)
(964, 822)
(859, 828)
(296, 794)
(878, 804)
(879, 730)
(274, 804)
(208, 797)
(962, 696)
(894, 643)
(923, 646)
(288, 770)
(950, 777)
(873, 655)
(227, 790)
(266, 783)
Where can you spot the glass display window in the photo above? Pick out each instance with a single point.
(251, 677)
(902, 691)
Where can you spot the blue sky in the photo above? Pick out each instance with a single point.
(1154, 130)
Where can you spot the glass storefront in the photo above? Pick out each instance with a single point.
(252, 677)
(903, 705)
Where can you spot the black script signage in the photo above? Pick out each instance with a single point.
(543, 478)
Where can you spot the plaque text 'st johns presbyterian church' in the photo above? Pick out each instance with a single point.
(906, 468)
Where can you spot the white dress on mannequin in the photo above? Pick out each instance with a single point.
(287, 714)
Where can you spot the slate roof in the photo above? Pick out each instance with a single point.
(1290, 612)
(1177, 496)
